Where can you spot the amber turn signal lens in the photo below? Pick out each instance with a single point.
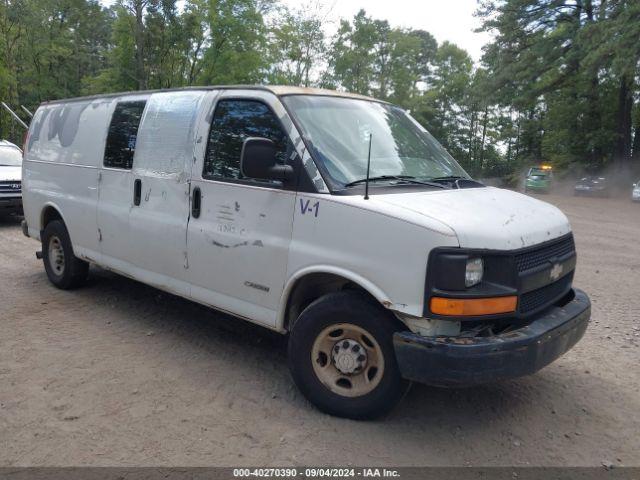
(471, 307)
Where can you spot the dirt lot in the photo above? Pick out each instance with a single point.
(118, 373)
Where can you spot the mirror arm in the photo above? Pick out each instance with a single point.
(282, 172)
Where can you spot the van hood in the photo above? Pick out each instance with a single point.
(490, 218)
(10, 173)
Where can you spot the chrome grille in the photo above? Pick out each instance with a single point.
(10, 186)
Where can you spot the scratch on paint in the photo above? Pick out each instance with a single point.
(256, 243)
(509, 220)
(222, 245)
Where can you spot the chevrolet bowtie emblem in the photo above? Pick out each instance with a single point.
(556, 271)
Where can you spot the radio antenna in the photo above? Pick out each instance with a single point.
(366, 183)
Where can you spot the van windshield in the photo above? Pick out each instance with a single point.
(338, 132)
(10, 157)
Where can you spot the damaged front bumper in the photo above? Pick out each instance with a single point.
(460, 361)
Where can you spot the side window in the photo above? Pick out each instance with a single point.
(233, 121)
(123, 130)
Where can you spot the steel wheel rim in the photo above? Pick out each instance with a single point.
(336, 370)
(56, 255)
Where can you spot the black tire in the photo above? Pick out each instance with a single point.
(73, 271)
(353, 308)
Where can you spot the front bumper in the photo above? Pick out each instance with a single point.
(460, 361)
(11, 204)
(591, 191)
(538, 187)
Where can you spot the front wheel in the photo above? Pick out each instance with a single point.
(63, 268)
(342, 359)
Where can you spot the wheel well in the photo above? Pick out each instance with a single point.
(49, 214)
(313, 286)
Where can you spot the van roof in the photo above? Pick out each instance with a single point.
(279, 90)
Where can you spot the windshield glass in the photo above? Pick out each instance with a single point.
(338, 131)
(10, 156)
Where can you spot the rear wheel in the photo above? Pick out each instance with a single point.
(342, 359)
(63, 268)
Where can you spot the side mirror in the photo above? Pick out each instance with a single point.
(258, 160)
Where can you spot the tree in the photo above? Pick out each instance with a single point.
(237, 52)
(563, 65)
(352, 58)
(136, 11)
(297, 46)
(560, 82)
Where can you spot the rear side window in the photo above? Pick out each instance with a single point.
(165, 139)
(123, 131)
(233, 121)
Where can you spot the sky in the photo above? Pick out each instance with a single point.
(450, 20)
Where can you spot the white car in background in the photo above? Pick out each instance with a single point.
(635, 193)
(10, 178)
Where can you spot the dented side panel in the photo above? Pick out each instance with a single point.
(238, 247)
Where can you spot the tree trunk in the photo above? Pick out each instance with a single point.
(139, 39)
(623, 124)
(636, 144)
(472, 125)
(485, 119)
(517, 144)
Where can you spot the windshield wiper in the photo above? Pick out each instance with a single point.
(447, 178)
(402, 178)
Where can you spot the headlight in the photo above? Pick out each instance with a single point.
(473, 272)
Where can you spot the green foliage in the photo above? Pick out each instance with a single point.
(571, 70)
(295, 46)
(559, 83)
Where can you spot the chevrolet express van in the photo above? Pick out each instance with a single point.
(334, 218)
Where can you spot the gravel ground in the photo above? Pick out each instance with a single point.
(118, 373)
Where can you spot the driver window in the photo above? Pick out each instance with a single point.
(233, 121)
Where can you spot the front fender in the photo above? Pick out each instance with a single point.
(373, 289)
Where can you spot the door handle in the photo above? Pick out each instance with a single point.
(196, 202)
(137, 191)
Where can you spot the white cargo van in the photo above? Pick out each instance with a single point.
(255, 201)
